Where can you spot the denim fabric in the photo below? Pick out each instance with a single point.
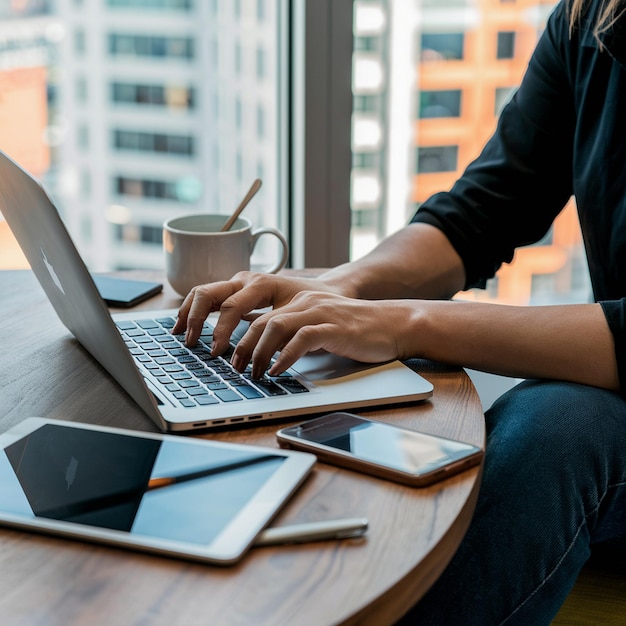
(554, 484)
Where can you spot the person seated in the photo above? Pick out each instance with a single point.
(554, 479)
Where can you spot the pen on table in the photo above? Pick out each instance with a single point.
(313, 531)
(158, 482)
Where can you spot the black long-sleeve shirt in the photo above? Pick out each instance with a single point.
(563, 133)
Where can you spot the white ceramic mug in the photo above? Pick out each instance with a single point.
(197, 252)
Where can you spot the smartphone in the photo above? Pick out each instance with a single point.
(381, 449)
(125, 292)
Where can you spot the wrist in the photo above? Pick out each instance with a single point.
(342, 280)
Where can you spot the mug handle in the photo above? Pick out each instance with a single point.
(285, 246)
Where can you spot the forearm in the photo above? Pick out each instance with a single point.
(416, 262)
(564, 342)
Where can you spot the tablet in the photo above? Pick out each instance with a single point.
(178, 496)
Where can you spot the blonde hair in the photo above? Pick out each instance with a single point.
(610, 12)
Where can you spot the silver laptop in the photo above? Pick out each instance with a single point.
(181, 389)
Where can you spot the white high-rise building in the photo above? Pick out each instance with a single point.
(166, 107)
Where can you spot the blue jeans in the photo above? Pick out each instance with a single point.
(554, 484)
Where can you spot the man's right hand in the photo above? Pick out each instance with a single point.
(237, 299)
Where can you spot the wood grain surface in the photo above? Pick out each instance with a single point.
(371, 580)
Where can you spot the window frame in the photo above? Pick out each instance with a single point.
(320, 154)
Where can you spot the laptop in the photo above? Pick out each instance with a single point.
(181, 389)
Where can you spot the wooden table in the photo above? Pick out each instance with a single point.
(371, 580)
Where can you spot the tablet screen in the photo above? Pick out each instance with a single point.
(167, 488)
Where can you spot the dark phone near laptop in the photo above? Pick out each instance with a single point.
(381, 449)
(125, 292)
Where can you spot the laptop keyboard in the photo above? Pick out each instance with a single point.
(191, 375)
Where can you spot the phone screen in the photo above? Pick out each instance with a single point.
(381, 444)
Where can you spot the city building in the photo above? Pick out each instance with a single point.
(26, 36)
(168, 108)
(430, 79)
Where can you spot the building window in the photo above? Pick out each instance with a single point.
(153, 142)
(151, 46)
(369, 103)
(81, 89)
(437, 159)
(366, 160)
(444, 103)
(82, 136)
(367, 44)
(260, 121)
(238, 113)
(157, 95)
(506, 45)
(151, 234)
(79, 42)
(187, 190)
(142, 233)
(260, 63)
(441, 46)
(503, 95)
(237, 59)
(183, 5)
(239, 165)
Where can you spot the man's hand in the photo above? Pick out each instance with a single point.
(237, 299)
(363, 330)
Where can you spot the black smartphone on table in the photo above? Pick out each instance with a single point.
(125, 292)
(380, 449)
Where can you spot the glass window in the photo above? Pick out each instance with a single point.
(184, 5)
(164, 138)
(503, 95)
(441, 46)
(79, 42)
(440, 103)
(506, 45)
(260, 63)
(437, 159)
(434, 86)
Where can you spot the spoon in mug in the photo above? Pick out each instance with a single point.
(256, 185)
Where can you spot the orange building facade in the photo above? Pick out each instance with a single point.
(23, 123)
(480, 76)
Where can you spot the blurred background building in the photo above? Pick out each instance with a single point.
(132, 111)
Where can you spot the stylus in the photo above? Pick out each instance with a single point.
(313, 531)
(158, 482)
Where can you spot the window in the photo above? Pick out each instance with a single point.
(441, 46)
(367, 103)
(260, 63)
(153, 142)
(151, 46)
(444, 103)
(139, 234)
(437, 159)
(152, 122)
(260, 121)
(185, 189)
(155, 95)
(79, 42)
(435, 99)
(344, 163)
(503, 95)
(81, 89)
(152, 4)
(506, 45)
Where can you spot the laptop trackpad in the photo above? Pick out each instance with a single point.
(326, 366)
